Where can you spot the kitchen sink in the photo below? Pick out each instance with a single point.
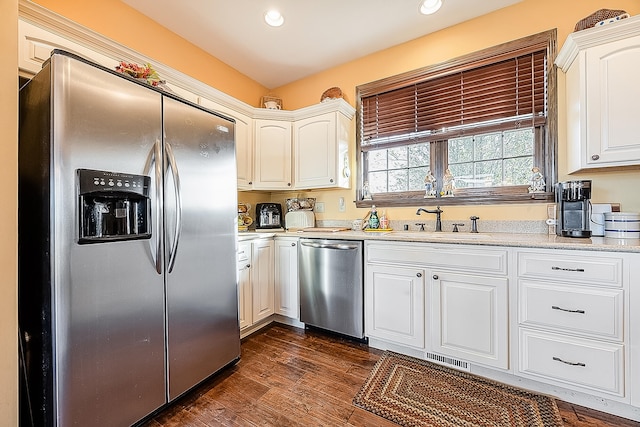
(439, 235)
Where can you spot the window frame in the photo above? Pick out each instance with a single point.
(545, 137)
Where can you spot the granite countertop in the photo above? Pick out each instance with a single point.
(528, 240)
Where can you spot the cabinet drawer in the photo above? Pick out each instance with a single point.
(582, 310)
(244, 252)
(574, 362)
(582, 269)
(444, 256)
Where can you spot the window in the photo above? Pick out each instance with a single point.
(488, 118)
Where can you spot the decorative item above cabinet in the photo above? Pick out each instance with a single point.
(602, 95)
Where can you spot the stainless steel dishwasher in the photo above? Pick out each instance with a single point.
(331, 285)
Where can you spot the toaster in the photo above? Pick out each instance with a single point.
(299, 219)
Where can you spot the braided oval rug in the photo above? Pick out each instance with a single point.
(414, 392)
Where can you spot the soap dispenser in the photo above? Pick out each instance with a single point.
(374, 222)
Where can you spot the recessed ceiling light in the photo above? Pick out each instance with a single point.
(427, 7)
(274, 18)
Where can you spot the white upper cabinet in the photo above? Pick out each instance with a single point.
(303, 149)
(244, 151)
(321, 150)
(272, 143)
(36, 45)
(603, 95)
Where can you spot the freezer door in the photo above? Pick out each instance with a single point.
(201, 226)
(108, 299)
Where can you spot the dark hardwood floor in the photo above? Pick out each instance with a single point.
(292, 377)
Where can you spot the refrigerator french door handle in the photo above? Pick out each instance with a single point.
(155, 160)
(171, 160)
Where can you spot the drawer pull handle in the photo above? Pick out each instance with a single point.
(557, 359)
(579, 270)
(555, 307)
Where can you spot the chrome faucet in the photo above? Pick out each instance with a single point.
(437, 211)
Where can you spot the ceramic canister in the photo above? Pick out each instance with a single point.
(622, 225)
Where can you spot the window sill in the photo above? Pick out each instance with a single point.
(417, 199)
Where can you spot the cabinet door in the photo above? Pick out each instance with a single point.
(286, 278)
(262, 279)
(272, 141)
(612, 103)
(244, 285)
(394, 304)
(244, 152)
(470, 317)
(315, 152)
(321, 151)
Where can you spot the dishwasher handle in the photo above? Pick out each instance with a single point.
(339, 246)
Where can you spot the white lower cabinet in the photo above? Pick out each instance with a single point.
(451, 300)
(586, 311)
(573, 362)
(571, 319)
(267, 279)
(470, 317)
(245, 309)
(262, 279)
(287, 302)
(255, 281)
(395, 304)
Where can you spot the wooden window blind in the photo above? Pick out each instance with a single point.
(504, 87)
(505, 94)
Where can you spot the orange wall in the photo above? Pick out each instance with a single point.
(123, 24)
(520, 20)
(9, 213)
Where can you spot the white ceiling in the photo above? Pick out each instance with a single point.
(316, 35)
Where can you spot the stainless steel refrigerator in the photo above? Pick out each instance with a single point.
(127, 234)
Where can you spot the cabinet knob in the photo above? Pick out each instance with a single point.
(435, 277)
(595, 157)
(418, 274)
(288, 184)
(293, 244)
(331, 180)
(250, 182)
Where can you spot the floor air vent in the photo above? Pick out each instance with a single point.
(448, 361)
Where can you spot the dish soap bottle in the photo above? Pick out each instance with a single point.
(374, 222)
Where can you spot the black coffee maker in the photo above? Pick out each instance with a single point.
(573, 208)
(268, 216)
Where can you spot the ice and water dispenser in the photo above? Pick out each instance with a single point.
(113, 206)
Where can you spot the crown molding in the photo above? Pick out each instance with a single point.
(76, 33)
(63, 27)
(596, 36)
